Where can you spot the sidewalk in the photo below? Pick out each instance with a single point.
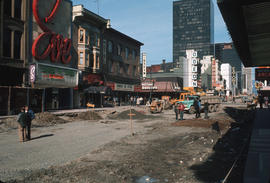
(66, 111)
(257, 168)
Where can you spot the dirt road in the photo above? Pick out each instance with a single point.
(104, 151)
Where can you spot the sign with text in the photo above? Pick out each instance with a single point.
(47, 75)
(262, 74)
(52, 31)
(123, 87)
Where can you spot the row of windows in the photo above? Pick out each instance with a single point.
(119, 50)
(89, 38)
(114, 67)
(17, 8)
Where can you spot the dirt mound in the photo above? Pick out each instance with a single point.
(89, 115)
(204, 123)
(47, 119)
(125, 115)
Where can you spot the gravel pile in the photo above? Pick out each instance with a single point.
(125, 115)
(89, 115)
(47, 119)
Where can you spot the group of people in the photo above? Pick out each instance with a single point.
(24, 119)
(263, 100)
(179, 108)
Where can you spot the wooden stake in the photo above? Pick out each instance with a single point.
(131, 123)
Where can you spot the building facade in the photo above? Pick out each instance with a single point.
(247, 86)
(88, 30)
(193, 27)
(121, 64)
(14, 55)
(206, 72)
(226, 73)
(36, 52)
(190, 69)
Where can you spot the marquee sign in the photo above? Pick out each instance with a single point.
(57, 47)
(262, 74)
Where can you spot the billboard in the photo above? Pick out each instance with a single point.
(262, 74)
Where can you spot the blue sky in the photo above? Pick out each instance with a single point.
(148, 21)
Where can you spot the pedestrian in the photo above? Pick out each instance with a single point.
(261, 100)
(21, 119)
(131, 100)
(181, 109)
(30, 115)
(266, 101)
(206, 109)
(197, 108)
(176, 110)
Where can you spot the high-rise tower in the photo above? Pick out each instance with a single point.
(193, 27)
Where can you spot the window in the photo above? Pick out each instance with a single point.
(81, 58)
(126, 52)
(134, 71)
(104, 51)
(134, 54)
(7, 8)
(110, 47)
(86, 59)
(7, 43)
(81, 35)
(118, 49)
(96, 40)
(87, 37)
(17, 44)
(18, 9)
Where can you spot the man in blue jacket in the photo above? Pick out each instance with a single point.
(30, 115)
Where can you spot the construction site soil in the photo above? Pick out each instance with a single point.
(136, 115)
(189, 151)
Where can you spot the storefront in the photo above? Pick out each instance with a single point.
(52, 68)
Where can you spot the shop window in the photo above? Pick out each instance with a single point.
(81, 36)
(7, 43)
(18, 9)
(126, 52)
(81, 58)
(17, 44)
(7, 8)
(110, 47)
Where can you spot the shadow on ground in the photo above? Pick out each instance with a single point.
(227, 149)
(42, 136)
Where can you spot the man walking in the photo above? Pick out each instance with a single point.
(29, 117)
(197, 108)
(176, 110)
(21, 119)
(206, 105)
(181, 109)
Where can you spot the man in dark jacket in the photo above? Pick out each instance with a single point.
(30, 115)
(197, 108)
(21, 119)
(176, 111)
(206, 109)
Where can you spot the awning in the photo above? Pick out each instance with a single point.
(105, 90)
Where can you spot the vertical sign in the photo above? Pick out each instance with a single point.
(144, 65)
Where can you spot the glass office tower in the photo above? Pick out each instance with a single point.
(193, 27)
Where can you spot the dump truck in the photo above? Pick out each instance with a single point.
(213, 101)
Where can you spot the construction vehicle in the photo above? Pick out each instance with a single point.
(156, 106)
(213, 101)
(188, 91)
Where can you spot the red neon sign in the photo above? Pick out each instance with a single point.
(58, 47)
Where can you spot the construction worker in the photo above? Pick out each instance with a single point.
(176, 111)
(181, 109)
(206, 109)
